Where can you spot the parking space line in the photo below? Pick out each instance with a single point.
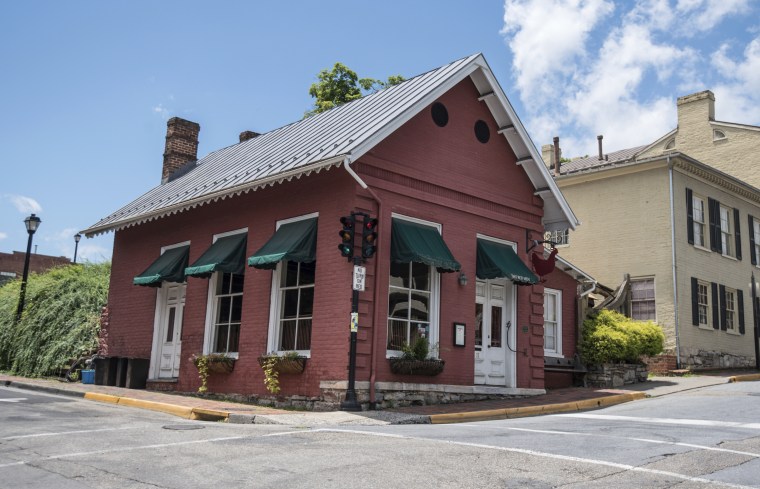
(63, 433)
(675, 421)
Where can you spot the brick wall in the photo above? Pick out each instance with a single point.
(559, 280)
(14, 262)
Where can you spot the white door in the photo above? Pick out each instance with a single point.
(494, 338)
(170, 331)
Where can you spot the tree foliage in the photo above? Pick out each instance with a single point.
(61, 318)
(341, 84)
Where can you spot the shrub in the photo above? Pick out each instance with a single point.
(61, 318)
(610, 337)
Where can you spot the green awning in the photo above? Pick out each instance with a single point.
(169, 267)
(413, 242)
(294, 241)
(227, 254)
(496, 260)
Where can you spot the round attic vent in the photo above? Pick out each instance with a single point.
(440, 114)
(482, 132)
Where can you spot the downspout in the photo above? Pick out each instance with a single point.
(376, 310)
(673, 257)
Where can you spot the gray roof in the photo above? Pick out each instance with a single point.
(593, 162)
(338, 136)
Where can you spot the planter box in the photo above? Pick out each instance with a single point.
(287, 365)
(219, 365)
(405, 366)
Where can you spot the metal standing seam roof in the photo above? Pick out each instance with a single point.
(593, 162)
(316, 143)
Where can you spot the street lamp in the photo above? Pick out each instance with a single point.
(32, 223)
(77, 237)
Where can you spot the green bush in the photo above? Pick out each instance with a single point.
(610, 337)
(61, 318)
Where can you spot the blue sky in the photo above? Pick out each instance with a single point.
(87, 86)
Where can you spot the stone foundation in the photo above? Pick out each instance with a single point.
(694, 359)
(616, 375)
(388, 395)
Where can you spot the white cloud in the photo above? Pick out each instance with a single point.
(581, 71)
(25, 205)
(161, 111)
(3, 235)
(547, 36)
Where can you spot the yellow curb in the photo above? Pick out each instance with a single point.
(202, 414)
(96, 396)
(518, 412)
(181, 411)
(744, 378)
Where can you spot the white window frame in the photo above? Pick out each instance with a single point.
(557, 351)
(707, 305)
(211, 308)
(560, 236)
(756, 232)
(727, 231)
(732, 317)
(654, 298)
(275, 299)
(699, 226)
(435, 293)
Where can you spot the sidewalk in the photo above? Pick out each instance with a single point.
(554, 401)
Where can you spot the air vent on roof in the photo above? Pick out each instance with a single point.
(440, 114)
(482, 132)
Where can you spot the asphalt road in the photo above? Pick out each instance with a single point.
(703, 438)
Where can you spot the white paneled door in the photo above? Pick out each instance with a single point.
(170, 330)
(494, 337)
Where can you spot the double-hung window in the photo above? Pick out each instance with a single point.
(703, 304)
(559, 237)
(643, 300)
(552, 322)
(756, 241)
(409, 303)
(726, 231)
(296, 299)
(729, 297)
(228, 301)
(698, 205)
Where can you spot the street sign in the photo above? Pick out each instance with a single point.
(360, 274)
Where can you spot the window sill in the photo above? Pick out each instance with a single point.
(733, 332)
(282, 353)
(706, 327)
(553, 354)
(702, 248)
(729, 257)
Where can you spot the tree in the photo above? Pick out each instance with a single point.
(341, 84)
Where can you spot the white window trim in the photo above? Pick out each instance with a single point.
(704, 222)
(730, 233)
(756, 235)
(654, 285)
(160, 301)
(208, 336)
(435, 292)
(273, 334)
(708, 326)
(735, 311)
(557, 352)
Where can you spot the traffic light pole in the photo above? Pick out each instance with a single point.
(351, 403)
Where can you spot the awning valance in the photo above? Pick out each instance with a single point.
(294, 241)
(496, 260)
(414, 242)
(227, 254)
(169, 267)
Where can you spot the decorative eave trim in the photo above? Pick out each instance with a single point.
(335, 161)
(735, 125)
(716, 177)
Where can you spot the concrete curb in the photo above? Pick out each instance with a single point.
(744, 378)
(193, 413)
(519, 412)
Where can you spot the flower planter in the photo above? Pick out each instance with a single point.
(218, 364)
(406, 366)
(286, 365)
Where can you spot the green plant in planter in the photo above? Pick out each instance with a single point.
(269, 364)
(418, 350)
(204, 365)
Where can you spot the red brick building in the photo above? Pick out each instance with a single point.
(12, 264)
(244, 245)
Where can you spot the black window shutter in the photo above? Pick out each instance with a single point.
(689, 216)
(751, 231)
(722, 293)
(694, 302)
(715, 304)
(737, 235)
(740, 305)
(714, 224)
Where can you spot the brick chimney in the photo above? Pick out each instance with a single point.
(246, 135)
(181, 145)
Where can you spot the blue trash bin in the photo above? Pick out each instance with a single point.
(88, 376)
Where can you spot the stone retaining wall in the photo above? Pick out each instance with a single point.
(616, 375)
(695, 359)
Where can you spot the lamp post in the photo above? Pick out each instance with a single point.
(77, 237)
(32, 223)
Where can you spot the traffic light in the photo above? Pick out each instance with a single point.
(369, 237)
(346, 234)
